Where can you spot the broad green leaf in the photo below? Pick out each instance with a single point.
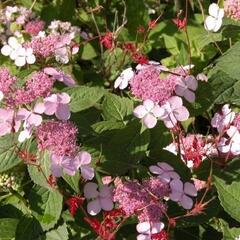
(7, 228)
(104, 126)
(229, 233)
(28, 228)
(229, 196)
(46, 206)
(225, 77)
(41, 175)
(60, 233)
(88, 52)
(73, 181)
(9, 153)
(83, 97)
(116, 108)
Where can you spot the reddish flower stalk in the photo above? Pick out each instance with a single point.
(74, 203)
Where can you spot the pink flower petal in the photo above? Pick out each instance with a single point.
(157, 227)
(106, 204)
(87, 172)
(157, 111)
(148, 104)
(83, 158)
(64, 98)
(63, 112)
(149, 121)
(191, 82)
(94, 207)
(175, 102)
(140, 111)
(155, 170)
(189, 96)
(34, 119)
(181, 114)
(39, 108)
(190, 189)
(186, 202)
(143, 227)
(90, 190)
(176, 185)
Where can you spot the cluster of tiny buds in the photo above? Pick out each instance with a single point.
(10, 181)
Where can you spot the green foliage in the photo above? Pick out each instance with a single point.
(46, 206)
(8, 227)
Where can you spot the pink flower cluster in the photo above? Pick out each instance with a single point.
(38, 85)
(6, 80)
(158, 92)
(34, 27)
(144, 200)
(232, 9)
(58, 137)
(147, 84)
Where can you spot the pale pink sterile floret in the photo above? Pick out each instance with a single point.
(7, 122)
(174, 111)
(58, 104)
(83, 161)
(146, 229)
(60, 76)
(222, 120)
(164, 171)
(60, 164)
(31, 119)
(232, 143)
(186, 86)
(123, 80)
(100, 198)
(155, 64)
(232, 9)
(182, 193)
(149, 113)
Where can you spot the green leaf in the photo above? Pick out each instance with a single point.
(116, 108)
(7, 228)
(229, 233)
(8, 153)
(60, 233)
(38, 176)
(28, 228)
(229, 196)
(46, 206)
(88, 52)
(73, 181)
(224, 78)
(83, 97)
(104, 126)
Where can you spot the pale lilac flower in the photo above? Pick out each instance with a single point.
(60, 76)
(222, 120)
(146, 229)
(214, 21)
(101, 198)
(122, 81)
(7, 122)
(61, 164)
(83, 161)
(61, 55)
(182, 193)
(164, 171)
(57, 104)
(148, 112)
(231, 144)
(31, 119)
(186, 86)
(174, 111)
